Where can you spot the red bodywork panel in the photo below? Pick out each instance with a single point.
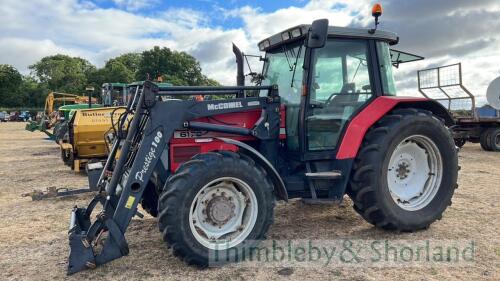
(186, 144)
(360, 124)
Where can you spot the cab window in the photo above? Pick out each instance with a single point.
(340, 86)
(283, 67)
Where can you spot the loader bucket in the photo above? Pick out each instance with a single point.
(81, 255)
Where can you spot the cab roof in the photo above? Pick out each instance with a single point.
(115, 84)
(300, 31)
(159, 84)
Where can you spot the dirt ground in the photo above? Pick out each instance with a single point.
(34, 242)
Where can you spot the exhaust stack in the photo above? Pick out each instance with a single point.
(240, 76)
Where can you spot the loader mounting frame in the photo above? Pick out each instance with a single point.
(152, 126)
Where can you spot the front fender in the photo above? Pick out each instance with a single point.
(279, 185)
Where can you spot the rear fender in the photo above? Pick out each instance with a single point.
(279, 185)
(378, 108)
(430, 105)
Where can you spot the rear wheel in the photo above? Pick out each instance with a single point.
(485, 140)
(494, 139)
(406, 171)
(213, 203)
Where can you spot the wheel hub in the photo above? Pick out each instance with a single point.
(223, 213)
(414, 172)
(220, 209)
(403, 171)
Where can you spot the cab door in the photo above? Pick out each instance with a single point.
(339, 85)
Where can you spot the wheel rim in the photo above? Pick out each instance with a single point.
(497, 140)
(414, 172)
(223, 213)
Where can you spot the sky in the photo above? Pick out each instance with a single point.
(444, 31)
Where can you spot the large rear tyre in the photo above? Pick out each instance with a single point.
(406, 171)
(214, 203)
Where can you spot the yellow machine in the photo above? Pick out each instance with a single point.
(85, 140)
(51, 116)
(88, 129)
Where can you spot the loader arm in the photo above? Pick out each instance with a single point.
(151, 129)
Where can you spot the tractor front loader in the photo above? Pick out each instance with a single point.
(323, 122)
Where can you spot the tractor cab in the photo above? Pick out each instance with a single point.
(323, 84)
(114, 94)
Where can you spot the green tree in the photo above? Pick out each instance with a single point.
(33, 93)
(178, 68)
(130, 60)
(63, 73)
(119, 69)
(10, 81)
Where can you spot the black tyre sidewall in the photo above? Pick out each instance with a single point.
(484, 139)
(494, 132)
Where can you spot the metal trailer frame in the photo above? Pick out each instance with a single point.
(440, 86)
(471, 128)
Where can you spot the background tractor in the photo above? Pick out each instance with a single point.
(57, 108)
(325, 123)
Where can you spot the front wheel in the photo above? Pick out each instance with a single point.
(214, 203)
(406, 171)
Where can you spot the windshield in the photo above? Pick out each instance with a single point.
(283, 67)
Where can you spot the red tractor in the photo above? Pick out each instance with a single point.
(323, 121)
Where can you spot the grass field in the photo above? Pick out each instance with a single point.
(34, 245)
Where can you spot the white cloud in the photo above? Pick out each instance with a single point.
(444, 32)
(135, 5)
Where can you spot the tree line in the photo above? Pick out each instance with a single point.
(62, 73)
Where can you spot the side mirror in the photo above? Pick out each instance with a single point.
(318, 34)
